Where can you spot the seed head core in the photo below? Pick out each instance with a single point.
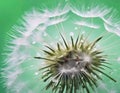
(73, 67)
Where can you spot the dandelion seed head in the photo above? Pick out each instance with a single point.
(77, 60)
(69, 58)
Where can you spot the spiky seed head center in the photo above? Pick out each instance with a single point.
(74, 62)
(74, 66)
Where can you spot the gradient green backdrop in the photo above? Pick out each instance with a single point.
(12, 10)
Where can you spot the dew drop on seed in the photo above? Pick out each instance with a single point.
(71, 34)
(83, 32)
(33, 42)
(82, 41)
(36, 73)
(76, 28)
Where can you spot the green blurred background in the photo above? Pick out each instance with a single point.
(12, 10)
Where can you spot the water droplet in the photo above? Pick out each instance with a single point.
(83, 32)
(71, 34)
(36, 73)
(76, 28)
(33, 42)
(82, 41)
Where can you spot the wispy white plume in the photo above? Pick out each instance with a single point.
(92, 12)
(33, 20)
(55, 21)
(112, 29)
(37, 37)
(84, 23)
(21, 41)
(111, 18)
(57, 11)
(13, 76)
(19, 86)
(107, 20)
